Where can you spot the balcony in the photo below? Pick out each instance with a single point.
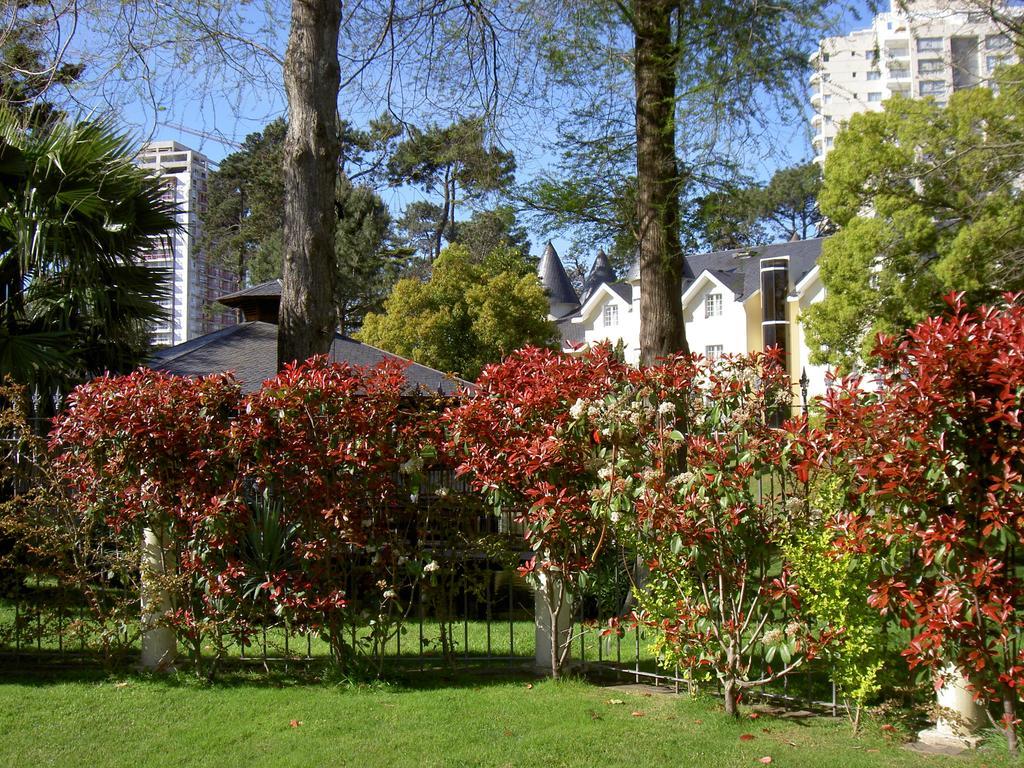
(816, 99)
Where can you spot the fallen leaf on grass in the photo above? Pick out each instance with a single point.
(646, 695)
(746, 737)
(295, 723)
(616, 701)
(698, 722)
(594, 715)
(766, 760)
(529, 686)
(638, 713)
(889, 728)
(508, 732)
(766, 730)
(875, 751)
(122, 684)
(754, 715)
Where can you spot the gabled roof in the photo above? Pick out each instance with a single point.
(745, 264)
(600, 272)
(250, 351)
(621, 291)
(740, 268)
(263, 290)
(692, 288)
(554, 279)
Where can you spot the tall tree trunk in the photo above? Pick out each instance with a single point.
(311, 148)
(661, 255)
(446, 211)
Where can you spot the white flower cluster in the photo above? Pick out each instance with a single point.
(578, 408)
(390, 594)
(773, 637)
(431, 567)
(667, 408)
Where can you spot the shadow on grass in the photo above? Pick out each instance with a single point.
(42, 668)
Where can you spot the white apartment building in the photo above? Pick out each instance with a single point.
(194, 283)
(932, 48)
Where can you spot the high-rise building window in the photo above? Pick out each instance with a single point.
(929, 44)
(713, 351)
(930, 66)
(991, 62)
(610, 315)
(997, 42)
(713, 305)
(874, 74)
(875, 96)
(827, 98)
(932, 88)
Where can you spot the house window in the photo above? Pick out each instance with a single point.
(875, 96)
(713, 351)
(926, 44)
(932, 88)
(610, 315)
(991, 62)
(997, 42)
(930, 66)
(713, 305)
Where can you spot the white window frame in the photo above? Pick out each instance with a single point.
(713, 351)
(610, 315)
(929, 44)
(712, 305)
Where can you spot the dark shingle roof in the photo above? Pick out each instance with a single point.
(600, 273)
(554, 279)
(250, 351)
(625, 291)
(740, 268)
(261, 291)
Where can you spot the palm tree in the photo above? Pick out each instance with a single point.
(76, 218)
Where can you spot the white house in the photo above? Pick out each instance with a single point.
(724, 305)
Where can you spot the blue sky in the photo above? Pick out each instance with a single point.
(215, 109)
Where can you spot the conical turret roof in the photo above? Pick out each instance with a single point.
(601, 272)
(554, 279)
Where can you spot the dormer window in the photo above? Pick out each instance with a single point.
(610, 315)
(712, 305)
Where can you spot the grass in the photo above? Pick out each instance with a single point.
(72, 719)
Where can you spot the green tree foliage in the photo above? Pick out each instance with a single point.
(834, 588)
(746, 214)
(488, 230)
(28, 68)
(246, 207)
(453, 162)
(368, 262)
(928, 200)
(467, 315)
(245, 223)
(76, 218)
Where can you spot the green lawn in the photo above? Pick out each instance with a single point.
(84, 719)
